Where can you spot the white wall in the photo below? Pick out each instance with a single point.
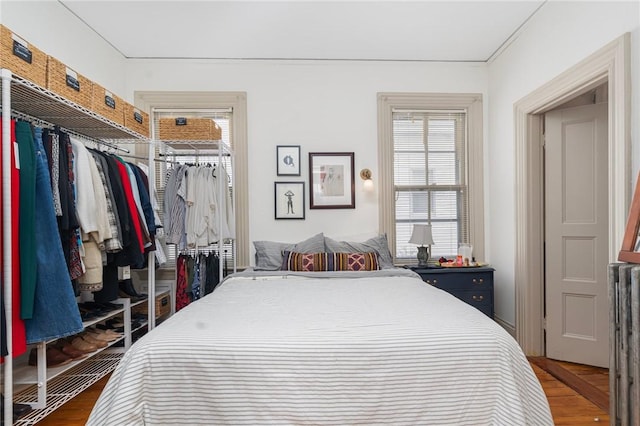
(559, 36)
(50, 27)
(321, 105)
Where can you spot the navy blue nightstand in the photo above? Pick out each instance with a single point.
(471, 285)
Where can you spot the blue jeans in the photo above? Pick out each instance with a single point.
(55, 311)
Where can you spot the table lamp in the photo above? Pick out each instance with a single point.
(421, 236)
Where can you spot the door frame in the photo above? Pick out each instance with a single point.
(610, 64)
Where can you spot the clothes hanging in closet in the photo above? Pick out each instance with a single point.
(196, 276)
(18, 334)
(82, 214)
(196, 213)
(53, 282)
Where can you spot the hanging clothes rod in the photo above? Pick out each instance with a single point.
(96, 141)
(194, 154)
(42, 123)
(33, 120)
(138, 157)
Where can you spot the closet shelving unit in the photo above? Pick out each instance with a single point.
(44, 388)
(204, 148)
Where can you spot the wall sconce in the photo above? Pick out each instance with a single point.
(365, 175)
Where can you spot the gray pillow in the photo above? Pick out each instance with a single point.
(269, 253)
(378, 244)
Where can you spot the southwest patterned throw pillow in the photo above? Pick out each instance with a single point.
(356, 261)
(317, 262)
(304, 262)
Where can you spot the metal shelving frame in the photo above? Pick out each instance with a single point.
(23, 97)
(217, 149)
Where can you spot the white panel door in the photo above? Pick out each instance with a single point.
(576, 235)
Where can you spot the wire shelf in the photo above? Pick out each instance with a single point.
(65, 387)
(36, 101)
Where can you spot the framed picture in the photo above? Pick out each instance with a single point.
(288, 157)
(332, 180)
(630, 251)
(289, 200)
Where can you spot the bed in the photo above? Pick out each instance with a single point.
(329, 348)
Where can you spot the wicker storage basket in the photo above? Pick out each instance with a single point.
(107, 104)
(22, 58)
(136, 120)
(163, 305)
(69, 84)
(189, 129)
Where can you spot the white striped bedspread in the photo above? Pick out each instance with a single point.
(314, 351)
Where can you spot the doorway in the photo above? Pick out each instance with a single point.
(609, 65)
(576, 230)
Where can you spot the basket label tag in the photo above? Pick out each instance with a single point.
(124, 272)
(72, 80)
(16, 154)
(181, 121)
(22, 51)
(137, 116)
(108, 100)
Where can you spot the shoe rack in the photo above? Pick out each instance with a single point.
(50, 386)
(46, 389)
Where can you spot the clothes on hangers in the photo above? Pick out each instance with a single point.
(19, 333)
(77, 223)
(62, 318)
(91, 206)
(175, 195)
(196, 276)
(27, 223)
(194, 206)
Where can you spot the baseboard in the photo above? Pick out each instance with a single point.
(511, 329)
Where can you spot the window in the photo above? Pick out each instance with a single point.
(430, 179)
(430, 157)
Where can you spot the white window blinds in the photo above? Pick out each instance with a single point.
(430, 179)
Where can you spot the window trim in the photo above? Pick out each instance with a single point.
(472, 104)
(203, 100)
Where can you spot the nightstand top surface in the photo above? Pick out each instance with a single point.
(444, 270)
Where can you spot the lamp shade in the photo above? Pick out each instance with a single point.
(421, 235)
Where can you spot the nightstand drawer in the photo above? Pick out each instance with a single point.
(474, 298)
(460, 280)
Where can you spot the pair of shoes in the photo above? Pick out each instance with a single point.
(126, 286)
(112, 324)
(101, 306)
(134, 299)
(137, 323)
(140, 316)
(87, 337)
(83, 345)
(69, 350)
(19, 410)
(104, 335)
(90, 310)
(55, 357)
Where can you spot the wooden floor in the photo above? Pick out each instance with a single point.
(568, 406)
(581, 398)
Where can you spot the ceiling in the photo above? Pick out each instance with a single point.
(325, 30)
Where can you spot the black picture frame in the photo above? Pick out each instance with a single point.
(332, 180)
(289, 200)
(288, 160)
